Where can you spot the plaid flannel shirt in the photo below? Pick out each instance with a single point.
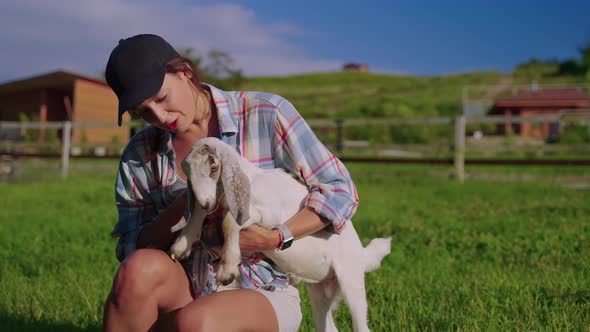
(264, 128)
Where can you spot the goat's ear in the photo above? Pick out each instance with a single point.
(236, 187)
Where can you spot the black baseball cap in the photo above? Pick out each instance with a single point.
(136, 68)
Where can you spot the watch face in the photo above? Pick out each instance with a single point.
(287, 244)
(287, 236)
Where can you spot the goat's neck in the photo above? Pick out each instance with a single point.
(250, 169)
(247, 167)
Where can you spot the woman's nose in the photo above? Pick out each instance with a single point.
(159, 114)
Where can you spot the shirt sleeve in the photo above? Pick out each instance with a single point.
(133, 204)
(333, 194)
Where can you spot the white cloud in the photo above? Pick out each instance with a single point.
(78, 35)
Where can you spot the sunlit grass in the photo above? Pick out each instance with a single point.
(478, 256)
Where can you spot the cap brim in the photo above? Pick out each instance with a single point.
(143, 90)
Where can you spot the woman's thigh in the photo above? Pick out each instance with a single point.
(232, 310)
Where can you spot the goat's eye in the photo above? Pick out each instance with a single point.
(214, 168)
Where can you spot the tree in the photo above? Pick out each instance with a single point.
(585, 58)
(217, 69)
(577, 67)
(537, 69)
(571, 67)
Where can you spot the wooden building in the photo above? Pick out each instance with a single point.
(63, 96)
(540, 102)
(355, 67)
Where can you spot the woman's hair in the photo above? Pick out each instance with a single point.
(182, 64)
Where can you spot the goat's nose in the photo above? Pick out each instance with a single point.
(206, 206)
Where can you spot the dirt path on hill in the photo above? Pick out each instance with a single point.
(505, 83)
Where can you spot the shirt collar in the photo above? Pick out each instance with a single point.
(228, 124)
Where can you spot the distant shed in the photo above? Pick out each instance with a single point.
(63, 96)
(540, 102)
(356, 67)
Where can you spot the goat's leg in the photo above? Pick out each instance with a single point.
(351, 280)
(230, 253)
(323, 298)
(189, 234)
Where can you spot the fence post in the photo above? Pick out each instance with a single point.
(339, 136)
(460, 148)
(65, 152)
(464, 100)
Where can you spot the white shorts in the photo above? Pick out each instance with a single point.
(286, 304)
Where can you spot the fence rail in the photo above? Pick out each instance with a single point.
(457, 147)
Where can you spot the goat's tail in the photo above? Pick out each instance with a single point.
(375, 251)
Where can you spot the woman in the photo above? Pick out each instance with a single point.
(151, 291)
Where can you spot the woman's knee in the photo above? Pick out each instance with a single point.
(139, 274)
(192, 319)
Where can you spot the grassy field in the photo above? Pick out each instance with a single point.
(478, 256)
(354, 95)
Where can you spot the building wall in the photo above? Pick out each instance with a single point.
(537, 129)
(95, 102)
(12, 105)
(56, 109)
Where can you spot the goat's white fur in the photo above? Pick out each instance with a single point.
(331, 265)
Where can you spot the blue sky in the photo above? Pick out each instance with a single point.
(281, 38)
(433, 37)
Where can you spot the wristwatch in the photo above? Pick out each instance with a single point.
(287, 237)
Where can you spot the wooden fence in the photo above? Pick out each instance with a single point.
(459, 146)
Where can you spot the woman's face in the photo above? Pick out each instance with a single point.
(174, 107)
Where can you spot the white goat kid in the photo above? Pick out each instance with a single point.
(331, 265)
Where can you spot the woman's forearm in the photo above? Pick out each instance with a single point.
(256, 238)
(306, 222)
(157, 234)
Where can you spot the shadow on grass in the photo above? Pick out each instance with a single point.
(11, 323)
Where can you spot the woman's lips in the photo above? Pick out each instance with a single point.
(172, 125)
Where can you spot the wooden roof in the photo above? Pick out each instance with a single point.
(547, 98)
(55, 80)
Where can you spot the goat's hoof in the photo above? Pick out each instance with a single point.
(224, 276)
(179, 257)
(180, 249)
(226, 282)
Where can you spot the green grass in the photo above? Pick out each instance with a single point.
(354, 95)
(477, 256)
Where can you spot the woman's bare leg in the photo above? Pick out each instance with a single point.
(152, 292)
(148, 284)
(232, 310)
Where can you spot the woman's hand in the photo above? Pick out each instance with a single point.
(158, 234)
(256, 238)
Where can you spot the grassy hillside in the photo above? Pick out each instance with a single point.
(342, 95)
(350, 95)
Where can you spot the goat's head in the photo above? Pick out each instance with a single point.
(213, 171)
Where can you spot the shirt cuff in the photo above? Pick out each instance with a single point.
(320, 205)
